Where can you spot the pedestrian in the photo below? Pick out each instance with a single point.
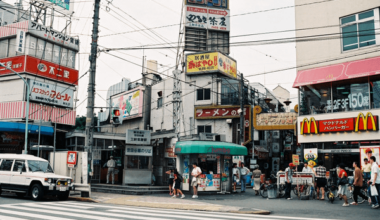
(320, 174)
(256, 174)
(111, 164)
(366, 170)
(374, 182)
(171, 179)
(307, 169)
(243, 171)
(236, 175)
(358, 184)
(342, 182)
(288, 180)
(195, 173)
(177, 185)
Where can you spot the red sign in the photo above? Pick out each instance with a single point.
(15, 63)
(51, 70)
(226, 112)
(40, 68)
(336, 125)
(72, 158)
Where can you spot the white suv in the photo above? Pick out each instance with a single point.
(29, 175)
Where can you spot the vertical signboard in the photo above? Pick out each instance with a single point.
(84, 168)
(20, 41)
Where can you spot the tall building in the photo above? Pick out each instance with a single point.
(338, 67)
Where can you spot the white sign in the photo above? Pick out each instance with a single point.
(20, 41)
(299, 178)
(138, 137)
(129, 103)
(339, 151)
(50, 93)
(84, 167)
(353, 100)
(208, 18)
(138, 151)
(49, 33)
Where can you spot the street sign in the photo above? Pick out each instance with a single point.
(72, 158)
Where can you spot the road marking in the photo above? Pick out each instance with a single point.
(29, 215)
(3, 217)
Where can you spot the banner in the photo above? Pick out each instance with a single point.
(367, 152)
(209, 3)
(211, 62)
(207, 18)
(311, 156)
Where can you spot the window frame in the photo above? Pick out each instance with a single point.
(204, 129)
(13, 160)
(14, 163)
(375, 18)
(159, 100)
(203, 94)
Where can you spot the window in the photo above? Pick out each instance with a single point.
(359, 30)
(32, 46)
(4, 48)
(218, 41)
(315, 99)
(195, 39)
(56, 53)
(375, 91)
(12, 47)
(137, 162)
(6, 165)
(39, 166)
(40, 48)
(350, 95)
(19, 165)
(230, 92)
(71, 59)
(203, 94)
(48, 52)
(63, 57)
(204, 129)
(159, 102)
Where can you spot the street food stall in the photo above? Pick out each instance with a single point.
(214, 159)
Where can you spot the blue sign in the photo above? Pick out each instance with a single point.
(209, 3)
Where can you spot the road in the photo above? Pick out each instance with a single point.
(12, 208)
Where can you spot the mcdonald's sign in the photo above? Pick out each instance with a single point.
(362, 122)
(311, 126)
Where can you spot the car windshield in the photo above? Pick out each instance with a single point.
(43, 166)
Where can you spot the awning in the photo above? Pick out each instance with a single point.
(20, 127)
(341, 71)
(209, 147)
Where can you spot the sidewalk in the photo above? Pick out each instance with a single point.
(164, 201)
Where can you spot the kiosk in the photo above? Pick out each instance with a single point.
(214, 159)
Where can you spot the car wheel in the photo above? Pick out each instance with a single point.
(20, 195)
(37, 192)
(64, 196)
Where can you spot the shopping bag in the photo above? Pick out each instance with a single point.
(374, 191)
(252, 183)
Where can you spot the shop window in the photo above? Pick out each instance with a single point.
(375, 91)
(204, 129)
(6, 165)
(359, 30)
(352, 95)
(203, 94)
(315, 99)
(137, 162)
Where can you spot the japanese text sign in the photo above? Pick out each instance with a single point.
(273, 121)
(65, 4)
(72, 157)
(296, 159)
(15, 63)
(51, 93)
(137, 137)
(209, 3)
(138, 151)
(20, 41)
(207, 18)
(211, 62)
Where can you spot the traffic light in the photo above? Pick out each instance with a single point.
(116, 116)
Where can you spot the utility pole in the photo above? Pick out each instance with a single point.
(91, 84)
(242, 109)
(177, 102)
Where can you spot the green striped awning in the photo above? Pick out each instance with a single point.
(210, 147)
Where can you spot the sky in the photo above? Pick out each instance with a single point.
(120, 16)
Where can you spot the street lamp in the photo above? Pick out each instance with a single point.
(267, 100)
(27, 106)
(287, 102)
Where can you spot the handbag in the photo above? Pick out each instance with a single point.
(374, 191)
(342, 181)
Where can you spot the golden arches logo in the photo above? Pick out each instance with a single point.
(365, 122)
(305, 120)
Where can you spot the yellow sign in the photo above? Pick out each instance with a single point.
(296, 159)
(306, 121)
(211, 62)
(365, 122)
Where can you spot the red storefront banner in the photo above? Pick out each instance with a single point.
(40, 68)
(337, 72)
(336, 125)
(226, 112)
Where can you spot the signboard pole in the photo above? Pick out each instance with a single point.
(242, 124)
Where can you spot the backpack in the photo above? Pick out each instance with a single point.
(180, 178)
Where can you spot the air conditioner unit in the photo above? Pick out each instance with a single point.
(228, 121)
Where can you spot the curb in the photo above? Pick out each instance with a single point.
(81, 199)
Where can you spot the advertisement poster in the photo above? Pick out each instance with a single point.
(367, 152)
(50, 93)
(209, 182)
(311, 156)
(130, 104)
(296, 159)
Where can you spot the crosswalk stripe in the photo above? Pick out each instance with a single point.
(77, 206)
(69, 212)
(97, 213)
(3, 217)
(31, 215)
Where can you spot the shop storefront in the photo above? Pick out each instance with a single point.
(214, 159)
(339, 113)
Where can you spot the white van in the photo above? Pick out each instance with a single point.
(29, 175)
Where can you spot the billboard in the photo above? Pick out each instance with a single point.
(50, 93)
(211, 62)
(311, 156)
(273, 121)
(223, 4)
(207, 18)
(129, 103)
(367, 152)
(63, 6)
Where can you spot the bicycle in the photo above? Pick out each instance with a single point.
(331, 189)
